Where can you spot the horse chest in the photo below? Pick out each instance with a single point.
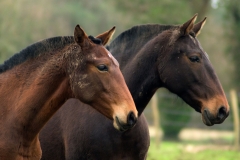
(130, 145)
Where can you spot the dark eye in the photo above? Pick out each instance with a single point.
(102, 67)
(194, 59)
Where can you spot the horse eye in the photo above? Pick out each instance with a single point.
(194, 59)
(102, 67)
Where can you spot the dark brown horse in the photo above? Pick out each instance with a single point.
(150, 57)
(36, 82)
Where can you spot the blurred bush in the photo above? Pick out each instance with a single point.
(174, 114)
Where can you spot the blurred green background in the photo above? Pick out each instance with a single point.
(24, 22)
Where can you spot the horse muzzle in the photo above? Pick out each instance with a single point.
(121, 126)
(209, 119)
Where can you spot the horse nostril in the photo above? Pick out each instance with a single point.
(222, 113)
(131, 119)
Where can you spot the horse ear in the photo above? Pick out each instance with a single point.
(198, 27)
(80, 36)
(106, 36)
(188, 26)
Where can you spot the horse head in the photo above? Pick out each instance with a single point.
(186, 70)
(96, 79)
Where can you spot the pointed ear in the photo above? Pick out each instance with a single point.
(188, 26)
(197, 27)
(80, 36)
(106, 36)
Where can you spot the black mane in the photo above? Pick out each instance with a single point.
(95, 40)
(134, 39)
(36, 49)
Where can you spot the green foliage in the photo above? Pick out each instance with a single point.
(232, 25)
(152, 11)
(25, 22)
(174, 114)
(177, 151)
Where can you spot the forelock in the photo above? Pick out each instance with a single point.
(95, 40)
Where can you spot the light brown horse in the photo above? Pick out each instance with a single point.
(36, 82)
(150, 56)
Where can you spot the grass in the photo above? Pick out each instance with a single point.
(172, 150)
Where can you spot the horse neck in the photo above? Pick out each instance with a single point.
(35, 91)
(141, 74)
